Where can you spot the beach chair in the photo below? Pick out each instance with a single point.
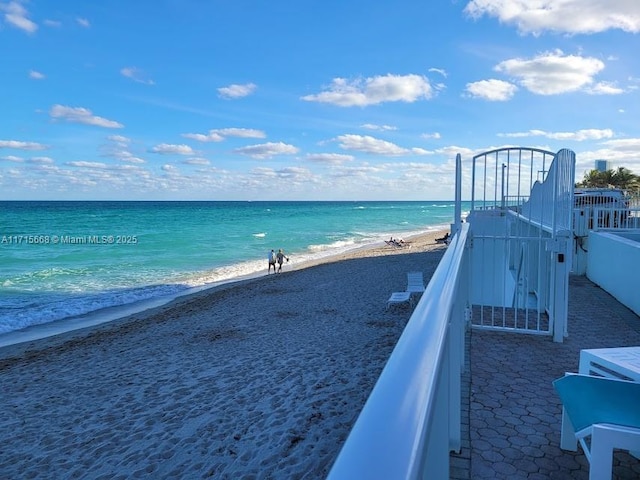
(400, 297)
(415, 282)
(605, 409)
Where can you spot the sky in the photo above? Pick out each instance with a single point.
(305, 100)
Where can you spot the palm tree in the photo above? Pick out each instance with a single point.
(621, 178)
(595, 179)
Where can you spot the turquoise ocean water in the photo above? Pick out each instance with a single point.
(66, 259)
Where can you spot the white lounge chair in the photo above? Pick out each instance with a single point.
(605, 409)
(415, 282)
(400, 297)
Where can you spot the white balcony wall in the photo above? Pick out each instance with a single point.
(613, 264)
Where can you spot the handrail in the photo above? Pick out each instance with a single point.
(390, 435)
(535, 223)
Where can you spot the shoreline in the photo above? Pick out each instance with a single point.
(117, 312)
(257, 379)
(74, 327)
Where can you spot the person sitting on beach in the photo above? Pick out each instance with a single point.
(272, 262)
(280, 258)
(393, 242)
(444, 239)
(396, 242)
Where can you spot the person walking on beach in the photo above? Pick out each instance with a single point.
(272, 262)
(280, 257)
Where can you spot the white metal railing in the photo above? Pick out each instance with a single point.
(604, 218)
(505, 176)
(550, 204)
(411, 420)
(588, 218)
(614, 218)
(521, 224)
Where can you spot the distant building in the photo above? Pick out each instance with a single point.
(603, 165)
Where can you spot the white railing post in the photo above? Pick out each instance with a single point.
(435, 462)
(456, 355)
(457, 216)
(561, 269)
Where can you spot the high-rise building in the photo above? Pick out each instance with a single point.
(603, 165)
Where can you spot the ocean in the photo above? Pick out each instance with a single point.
(60, 260)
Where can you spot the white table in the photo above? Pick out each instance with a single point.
(622, 363)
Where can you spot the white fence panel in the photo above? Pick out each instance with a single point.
(521, 216)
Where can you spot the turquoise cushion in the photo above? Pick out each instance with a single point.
(589, 400)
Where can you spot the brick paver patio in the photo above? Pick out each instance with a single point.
(511, 412)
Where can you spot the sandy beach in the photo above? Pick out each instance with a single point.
(259, 379)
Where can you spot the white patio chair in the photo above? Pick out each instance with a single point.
(605, 409)
(415, 282)
(400, 297)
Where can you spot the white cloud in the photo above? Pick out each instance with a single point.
(552, 73)
(41, 160)
(36, 75)
(578, 136)
(296, 174)
(440, 71)
(52, 23)
(240, 132)
(357, 171)
(267, 150)
(329, 158)
(429, 136)
(493, 90)
(119, 149)
(452, 150)
(126, 156)
(170, 149)
(12, 158)
(381, 128)
(197, 161)
(419, 151)
(219, 135)
(237, 91)
(564, 16)
(119, 139)
(630, 145)
(374, 90)
(202, 137)
(18, 145)
(605, 88)
(81, 115)
(375, 146)
(17, 16)
(621, 152)
(170, 169)
(83, 22)
(83, 164)
(263, 172)
(137, 75)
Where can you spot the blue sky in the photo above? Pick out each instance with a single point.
(302, 100)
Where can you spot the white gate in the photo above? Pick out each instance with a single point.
(521, 233)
